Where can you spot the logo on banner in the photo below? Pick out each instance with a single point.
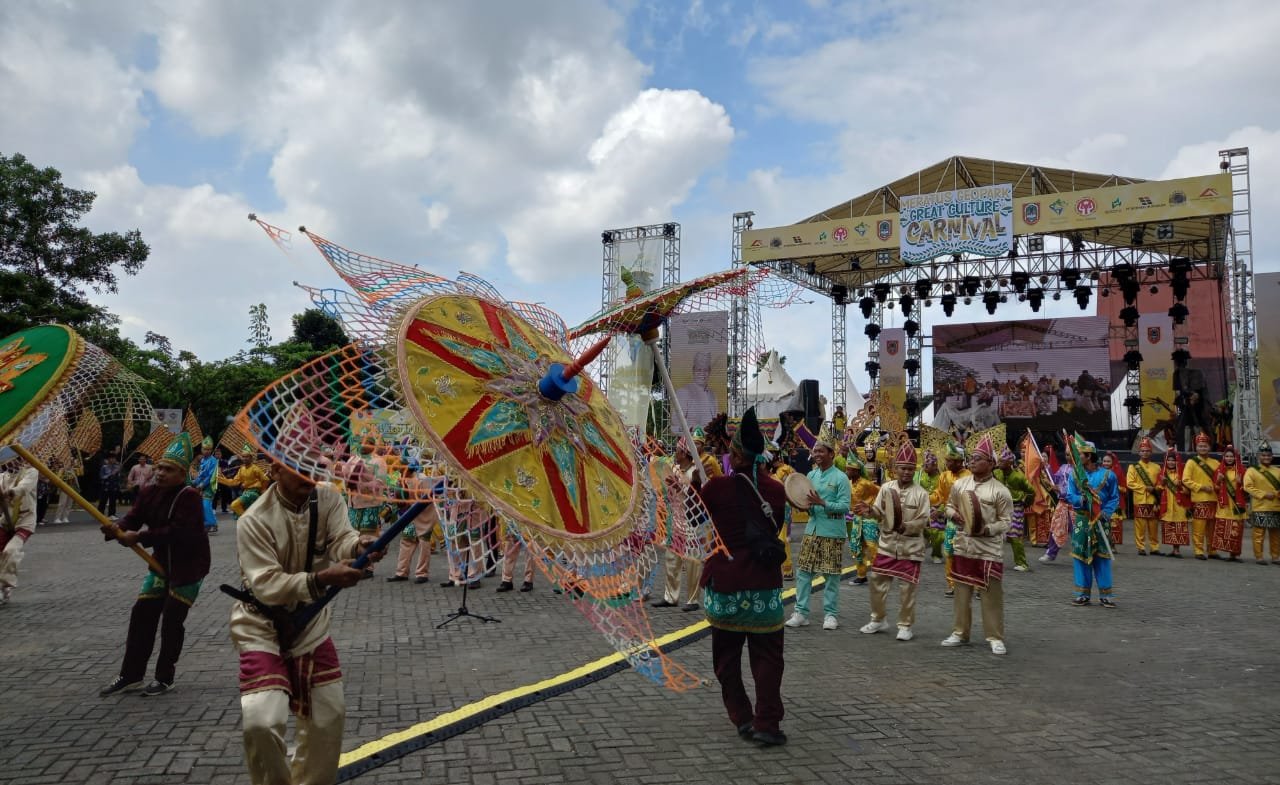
(1209, 193)
(757, 243)
(884, 228)
(822, 237)
(841, 234)
(797, 239)
(1058, 206)
(1177, 197)
(1145, 201)
(1116, 203)
(775, 242)
(861, 229)
(1153, 335)
(1086, 206)
(891, 347)
(1031, 213)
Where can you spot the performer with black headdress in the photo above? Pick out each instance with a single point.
(743, 595)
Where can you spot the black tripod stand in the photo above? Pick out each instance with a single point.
(466, 585)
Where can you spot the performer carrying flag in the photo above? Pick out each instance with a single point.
(1094, 496)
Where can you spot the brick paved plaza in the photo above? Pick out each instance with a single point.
(1181, 684)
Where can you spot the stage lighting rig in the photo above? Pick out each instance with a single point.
(906, 302)
(872, 330)
(1077, 242)
(855, 263)
(911, 406)
(1035, 296)
(970, 284)
(606, 238)
(1179, 313)
(1133, 359)
(873, 369)
(1139, 232)
(811, 268)
(1035, 244)
(1134, 405)
(912, 327)
(991, 300)
(881, 291)
(1070, 277)
(1129, 314)
(1180, 358)
(911, 365)
(668, 230)
(867, 305)
(1020, 281)
(948, 304)
(1082, 296)
(839, 294)
(923, 287)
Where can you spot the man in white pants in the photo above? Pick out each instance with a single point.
(902, 509)
(17, 522)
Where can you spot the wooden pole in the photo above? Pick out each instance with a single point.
(107, 526)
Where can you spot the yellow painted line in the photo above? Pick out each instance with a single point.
(371, 748)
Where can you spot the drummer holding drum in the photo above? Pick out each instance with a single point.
(827, 498)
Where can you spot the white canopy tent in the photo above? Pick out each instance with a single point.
(772, 388)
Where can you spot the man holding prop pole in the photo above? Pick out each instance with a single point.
(1094, 496)
(18, 508)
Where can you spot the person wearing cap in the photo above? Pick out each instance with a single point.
(1093, 505)
(982, 509)
(249, 478)
(18, 494)
(167, 518)
(864, 532)
(1141, 480)
(1197, 477)
(1021, 492)
(1175, 501)
(955, 470)
(206, 482)
(927, 477)
(743, 595)
(1262, 483)
(1227, 533)
(901, 509)
(822, 549)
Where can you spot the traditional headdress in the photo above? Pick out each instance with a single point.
(985, 448)
(1171, 453)
(748, 439)
(1203, 438)
(1146, 444)
(1083, 445)
(699, 436)
(247, 450)
(1007, 456)
(906, 455)
(853, 461)
(827, 437)
(207, 442)
(179, 452)
(954, 453)
(930, 460)
(1230, 448)
(1264, 447)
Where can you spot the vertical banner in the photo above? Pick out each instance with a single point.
(976, 221)
(630, 360)
(1266, 291)
(170, 418)
(1155, 342)
(699, 364)
(893, 377)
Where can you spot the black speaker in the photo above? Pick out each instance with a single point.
(812, 406)
(839, 293)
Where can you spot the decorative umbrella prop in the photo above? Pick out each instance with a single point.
(54, 384)
(447, 376)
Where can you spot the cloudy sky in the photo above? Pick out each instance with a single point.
(501, 137)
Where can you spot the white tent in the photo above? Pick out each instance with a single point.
(1119, 414)
(771, 388)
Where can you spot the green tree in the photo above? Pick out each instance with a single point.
(47, 261)
(319, 330)
(259, 327)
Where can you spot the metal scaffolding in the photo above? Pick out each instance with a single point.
(838, 353)
(1239, 270)
(740, 365)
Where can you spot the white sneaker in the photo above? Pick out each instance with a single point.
(1021, 568)
(997, 647)
(1045, 559)
(905, 634)
(936, 560)
(830, 623)
(874, 626)
(797, 620)
(954, 640)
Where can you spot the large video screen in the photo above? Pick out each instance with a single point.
(1046, 374)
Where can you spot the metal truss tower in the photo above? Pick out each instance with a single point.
(838, 355)
(914, 362)
(1238, 267)
(740, 365)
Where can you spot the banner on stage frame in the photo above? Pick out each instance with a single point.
(976, 221)
(699, 356)
(893, 377)
(1155, 339)
(1266, 292)
(819, 238)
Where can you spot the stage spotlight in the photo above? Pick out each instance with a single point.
(1133, 359)
(1082, 296)
(1154, 290)
(923, 286)
(873, 369)
(1129, 290)
(1180, 358)
(811, 268)
(786, 268)
(1129, 315)
(866, 304)
(606, 238)
(906, 302)
(1070, 276)
(839, 293)
(988, 284)
(872, 330)
(1122, 271)
(1179, 313)
(1022, 298)
(1020, 281)
(1035, 244)
(1057, 295)
(911, 406)
(991, 300)
(968, 301)
(1105, 292)
(855, 263)
(1139, 232)
(911, 365)
(1013, 252)
(948, 304)
(1077, 242)
(668, 230)
(1134, 405)
(1044, 279)
(970, 284)
(882, 292)
(1093, 276)
(928, 303)
(912, 327)
(957, 258)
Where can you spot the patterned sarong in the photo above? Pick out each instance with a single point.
(365, 519)
(949, 538)
(1144, 511)
(154, 587)
(1175, 532)
(1060, 527)
(1204, 511)
(905, 569)
(1265, 520)
(976, 572)
(1227, 535)
(295, 676)
(244, 501)
(1040, 532)
(822, 555)
(749, 610)
(1117, 529)
(1019, 525)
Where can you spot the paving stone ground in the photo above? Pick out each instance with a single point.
(1182, 683)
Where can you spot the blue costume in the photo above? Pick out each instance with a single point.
(206, 482)
(1092, 558)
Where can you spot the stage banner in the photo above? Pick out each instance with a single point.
(976, 221)
(630, 360)
(848, 235)
(699, 365)
(1155, 342)
(1046, 374)
(1151, 202)
(1266, 292)
(170, 418)
(893, 378)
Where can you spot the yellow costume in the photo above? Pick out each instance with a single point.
(1262, 483)
(865, 491)
(1197, 476)
(1141, 481)
(784, 534)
